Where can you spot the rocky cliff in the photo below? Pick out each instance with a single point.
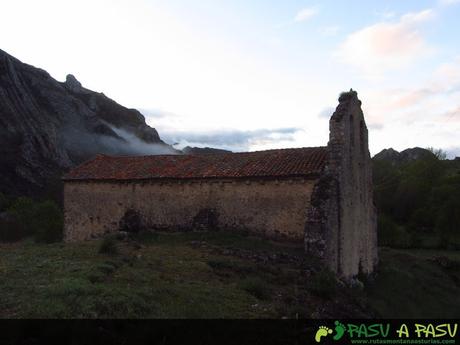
(405, 156)
(47, 127)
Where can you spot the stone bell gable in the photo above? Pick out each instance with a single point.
(341, 226)
(321, 196)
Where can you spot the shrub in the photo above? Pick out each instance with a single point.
(15, 222)
(324, 283)
(108, 246)
(391, 234)
(257, 288)
(23, 209)
(11, 229)
(44, 221)
(48, 222)
(4, 202)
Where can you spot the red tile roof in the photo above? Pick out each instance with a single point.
(306, 162)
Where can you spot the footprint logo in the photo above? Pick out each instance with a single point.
(339, 330)
(322, 332)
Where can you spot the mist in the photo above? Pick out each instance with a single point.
(82, 145)
(136, 146)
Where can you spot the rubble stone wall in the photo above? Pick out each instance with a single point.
(271, 208)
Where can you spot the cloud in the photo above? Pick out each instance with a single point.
(376, 126)
(449, 2)
(305, 14)
(385, 14)
(412, 97)
(132, 145)
(83, 144)
(386, 45)
(444, 82)
(156, 113)
(452, 115)
(447, 75)
(329, 30)
(326, 112)
(235, 140)
(452, 152)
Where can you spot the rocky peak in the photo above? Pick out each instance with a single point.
(46, 126)
(405, 156)
(388, 154)
(72, 84)
(416, 153)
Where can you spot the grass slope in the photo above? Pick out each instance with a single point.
(212, 275)
(416, 283)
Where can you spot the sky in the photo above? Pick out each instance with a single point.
(252, 75)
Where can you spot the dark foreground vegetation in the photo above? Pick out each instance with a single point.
(195, 275)
(179, 275)
(24, 218)
(214, 275)
(418, 202)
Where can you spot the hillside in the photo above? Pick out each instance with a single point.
(215, 275)
(47, 127)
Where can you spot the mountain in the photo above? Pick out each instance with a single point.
(47, 126)
(202, 150)
(408, 155)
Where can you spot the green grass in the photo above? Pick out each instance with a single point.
(410, 284)
(156, 276)
(204, 275)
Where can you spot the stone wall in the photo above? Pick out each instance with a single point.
(271, 208)
(341, 226)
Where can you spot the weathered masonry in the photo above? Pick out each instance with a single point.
(321, 195)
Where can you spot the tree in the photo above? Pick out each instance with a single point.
(439, 153)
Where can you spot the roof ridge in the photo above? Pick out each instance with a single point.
(304, 161)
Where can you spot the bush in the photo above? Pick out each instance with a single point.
(391, 234)
(418, 201)
(15, 223)
(48, 222)
(11, 229)
(108, 246)
(4, 202)
(324, 283)
(23, 209)
(44, 221)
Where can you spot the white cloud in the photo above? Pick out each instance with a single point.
(386, 45)
(234, 139)
(305, 14)
(449, 2)
(330, 30)
(447, 75)
(326, 112)
(444, 84)
(386, 14)
(424, 112)
(413, 18)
